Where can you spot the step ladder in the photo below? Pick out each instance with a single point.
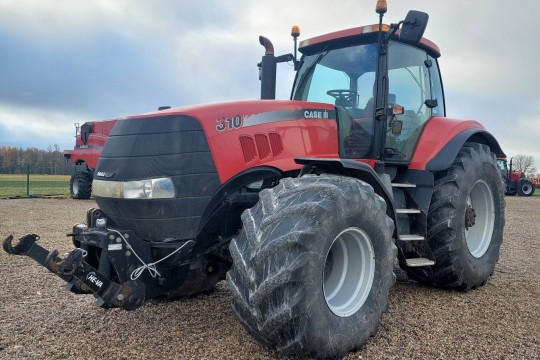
(417, 240)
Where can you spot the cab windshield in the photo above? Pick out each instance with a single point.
(345, 77)
(350, 69)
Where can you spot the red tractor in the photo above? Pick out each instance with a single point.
(515, 181)
(89, 140)
(302, 205)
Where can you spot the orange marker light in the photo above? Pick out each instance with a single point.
(398, 110)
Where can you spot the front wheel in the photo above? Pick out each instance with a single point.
(80, 185)
(313, 265)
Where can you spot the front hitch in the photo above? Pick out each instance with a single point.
(80, 276)
(24, 245)
(27, 246)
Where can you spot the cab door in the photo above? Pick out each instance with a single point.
(414, 84)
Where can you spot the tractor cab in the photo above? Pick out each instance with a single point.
(341, 69)
(383, 80)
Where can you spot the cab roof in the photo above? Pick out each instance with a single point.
(358, 34)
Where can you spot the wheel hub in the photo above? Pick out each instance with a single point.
(479, 218)
(469, 217)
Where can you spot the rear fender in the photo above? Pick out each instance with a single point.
(442, 138)
(445, 158)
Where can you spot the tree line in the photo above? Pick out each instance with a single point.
(51, 161)
(36, 161)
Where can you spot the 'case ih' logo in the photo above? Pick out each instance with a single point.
(316, 114)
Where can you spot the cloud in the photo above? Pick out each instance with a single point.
(77, 61)
(26, 127)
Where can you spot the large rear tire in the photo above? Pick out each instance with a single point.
(465, 222)
(80, 185)
(525, 188)
(313, 265)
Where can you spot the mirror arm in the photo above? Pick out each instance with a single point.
(393, 29)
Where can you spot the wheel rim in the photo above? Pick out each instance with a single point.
(526, 189)
(348, 272)
(75, 187)
(478, 236)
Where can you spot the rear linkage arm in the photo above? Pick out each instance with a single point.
(81, 277)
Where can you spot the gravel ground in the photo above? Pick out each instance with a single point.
(38, 319)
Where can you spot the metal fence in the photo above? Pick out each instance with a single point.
(30, 184)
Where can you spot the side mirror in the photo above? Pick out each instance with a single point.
(414, 26)
(397, 126)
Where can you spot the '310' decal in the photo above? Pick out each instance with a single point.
(225, 123)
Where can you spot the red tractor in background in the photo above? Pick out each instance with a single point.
(515, 181)
(303, 205)
(89, 140)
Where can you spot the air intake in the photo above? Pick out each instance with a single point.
(261, 146)
(248, 148)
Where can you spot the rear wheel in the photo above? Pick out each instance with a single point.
(525, 188)
(80, 185)
(465, 222)
(312, 266)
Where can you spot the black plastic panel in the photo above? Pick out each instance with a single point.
(164, 146)
(143, 167)
(155, 125)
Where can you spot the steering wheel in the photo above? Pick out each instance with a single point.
(345, 94)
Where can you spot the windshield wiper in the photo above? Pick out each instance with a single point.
(309, 71)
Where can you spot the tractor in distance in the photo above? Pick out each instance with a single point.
(515, 181)
(303, 204)
(89, 140)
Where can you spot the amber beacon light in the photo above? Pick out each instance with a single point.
(381, 7)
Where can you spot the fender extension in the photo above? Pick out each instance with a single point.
(354, 169)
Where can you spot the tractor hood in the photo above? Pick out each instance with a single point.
(258, 131)
(158, 171)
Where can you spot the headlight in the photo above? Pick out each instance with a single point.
(161, 188)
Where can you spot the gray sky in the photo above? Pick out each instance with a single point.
(67, 61)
